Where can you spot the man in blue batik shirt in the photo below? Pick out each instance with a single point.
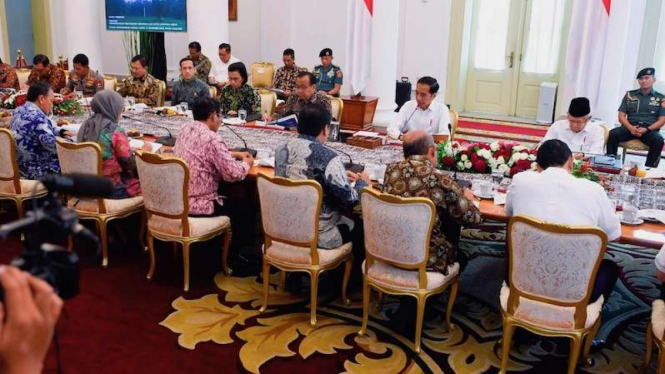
(35, 134)
(307, 158)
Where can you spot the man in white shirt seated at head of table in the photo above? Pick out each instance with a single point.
(576, 131)
(423, 113)
(554, 195)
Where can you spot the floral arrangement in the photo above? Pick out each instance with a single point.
(66, 107)
(582, 169)
(12, 99)
(510, 158)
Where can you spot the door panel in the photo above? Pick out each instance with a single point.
(19, 28)
(490, 80)
(542, 46)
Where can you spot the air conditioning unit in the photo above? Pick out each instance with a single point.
(546, 102)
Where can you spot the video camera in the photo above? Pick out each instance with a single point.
(56, 265)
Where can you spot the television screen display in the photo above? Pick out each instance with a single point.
(146, 15)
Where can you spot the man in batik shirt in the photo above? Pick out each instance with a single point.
(141, 85)
(8, 77)
(306, 94)
(201, 62)
(417, 176)
(44, 71)
(285, 77)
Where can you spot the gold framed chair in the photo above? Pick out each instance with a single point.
(635, 145)
(165, 184)
(110, 83)
(552, 302)
(23, 74)
(213, 91)
(337, 105)
(655, 331)
(268, 102)
(12, 187)
(397, 244)
(162, 93)
(290, 213)
(263, 74)
(86, 158)
(454, 119)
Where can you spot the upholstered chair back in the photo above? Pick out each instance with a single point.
(9, 173)
(290, 209)
(263, 74)
(23, 75)
(337, 108)
(397, 230)
(268, 101)
(557, 263)
(81, 158)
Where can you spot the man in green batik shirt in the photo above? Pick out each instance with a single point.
(238, 95)
(329, 77)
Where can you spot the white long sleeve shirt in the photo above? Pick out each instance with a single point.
(434, 119)
(220, 69)
(554, 195)
(589, 140)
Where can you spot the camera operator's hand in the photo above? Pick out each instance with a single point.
(27, 319)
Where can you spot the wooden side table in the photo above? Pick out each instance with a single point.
(358, 112)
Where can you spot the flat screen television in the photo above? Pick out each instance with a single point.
(146, 15)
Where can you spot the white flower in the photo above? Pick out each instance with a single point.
(534, 166)
(467, 164)
(493, 164)
(485, 153)
(532, 157)
(500, 160)
(460, 165)
(504, 168)
(518, 148)
(523, 156)
(464, 158)
(495, 146)
(514, 157)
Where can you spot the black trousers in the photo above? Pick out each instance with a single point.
(651, 138)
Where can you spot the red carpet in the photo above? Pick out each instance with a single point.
(474, 129)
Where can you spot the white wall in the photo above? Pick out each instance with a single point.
(245, 35)
(424, 40)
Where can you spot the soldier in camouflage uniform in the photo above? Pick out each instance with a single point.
(83, 79)
(201, 62)
(141, 85)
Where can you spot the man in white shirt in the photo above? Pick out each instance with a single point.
(423, 113)
(219, 74)
(553, 194)
(577, 131)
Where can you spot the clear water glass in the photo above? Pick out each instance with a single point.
(183, 107)
(242, 114)
(497, 177)
(131, 100)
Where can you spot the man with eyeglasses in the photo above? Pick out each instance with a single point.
(306, 94)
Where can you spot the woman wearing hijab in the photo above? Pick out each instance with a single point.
(118, 159)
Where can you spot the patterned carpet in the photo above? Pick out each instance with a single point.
(283, 335)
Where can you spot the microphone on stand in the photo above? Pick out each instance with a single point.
(462, 183)
(350, 166)
(401, 130)
(242, 149)
(168, 140)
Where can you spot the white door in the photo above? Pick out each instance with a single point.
(492, 56)
(541, 53)
(515, 45)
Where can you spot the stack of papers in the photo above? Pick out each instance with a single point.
(135, 143)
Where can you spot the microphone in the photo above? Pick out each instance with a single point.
(350, 166)
(401, 131)
(462, 183)
(168, 140)
(83, 185)
(242, 149)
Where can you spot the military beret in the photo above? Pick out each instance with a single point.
(325, 52)
(646, 71)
